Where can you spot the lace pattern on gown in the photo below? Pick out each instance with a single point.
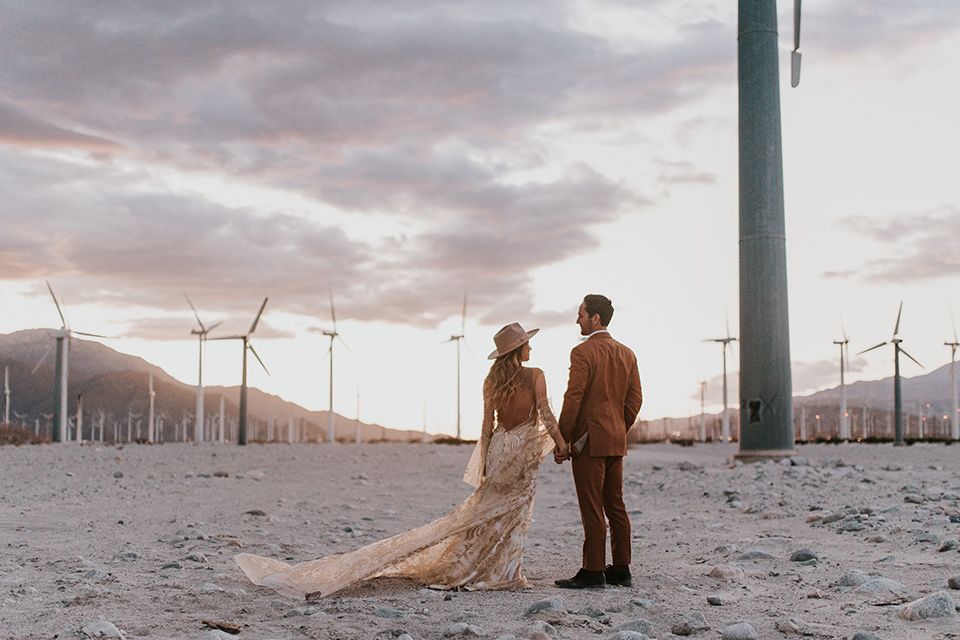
(479, 545)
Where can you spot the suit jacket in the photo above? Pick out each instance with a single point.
(603, 396)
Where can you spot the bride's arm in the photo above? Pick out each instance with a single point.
(546, 413)
(486, 431)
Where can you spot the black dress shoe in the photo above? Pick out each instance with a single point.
(583, 580)
(618, 575)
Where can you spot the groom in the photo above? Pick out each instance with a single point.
(601, 404)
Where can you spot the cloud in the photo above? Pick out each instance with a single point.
(920, 246)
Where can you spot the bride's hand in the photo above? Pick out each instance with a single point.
(560, 453)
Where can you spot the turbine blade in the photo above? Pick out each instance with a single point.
(470, 351)
(896, 327)
(202, 328)
(911, 357)
(876, 346)
(333, 313)
(42, 358)
(327, 353)
(228, 338)
(92, 335)
(953, 323)
(796, 24)
(463, 318)
(212, 327)
(345, 345)
(62, 319)
(843, 329)
(254, 352)
(253, 327)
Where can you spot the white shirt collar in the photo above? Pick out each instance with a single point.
(585, 338)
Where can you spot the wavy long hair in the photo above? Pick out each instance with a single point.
(505, 377)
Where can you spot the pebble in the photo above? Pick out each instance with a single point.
(938, 605)
(555, 603)
(726, 573)
(209, 587)
(954, 582)
(386, 612)
(852, 579)
(643, 603)
(626, 634)
(739, 631)
(716, 601)
(865, 635)
(171, 565)
(196, 556)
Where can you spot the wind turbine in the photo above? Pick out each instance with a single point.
(6, 395)
(897, 396)
(61, 371)
(844, 418)
(955, 422)
(202, 334)
(333, 335)
(242, 428)
(726, 415)
(457, 339)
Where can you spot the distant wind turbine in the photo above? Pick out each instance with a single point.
(844, 418)
(457, 339)
(726, 414)
(151, 426)
(6, 395)
(61, 371)
(242, 428)
(897, 396)
(955, 422)
(202, 334)
(333, 335)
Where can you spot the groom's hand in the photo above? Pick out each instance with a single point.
(560, 454)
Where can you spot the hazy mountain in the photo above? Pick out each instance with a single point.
(115, 388)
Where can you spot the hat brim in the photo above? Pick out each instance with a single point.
(496, 353)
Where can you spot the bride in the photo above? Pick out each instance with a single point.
(479, 545)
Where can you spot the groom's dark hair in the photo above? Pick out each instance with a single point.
(597, 305)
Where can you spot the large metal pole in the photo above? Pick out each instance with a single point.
(844, 417)
(331, 426)
(725, 421)
(955, 418)
(458, 388)
(59, 431)
(242, 430)
(199, 422)
(897, 397)
(766, 403)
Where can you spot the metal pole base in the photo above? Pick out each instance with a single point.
(762, 455)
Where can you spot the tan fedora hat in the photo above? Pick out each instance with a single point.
(509, 338)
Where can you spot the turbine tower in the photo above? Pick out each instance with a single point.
(897, 396)
(333, 335)
(202, 334)
(955, 418)
(725, 421)
(844, 417)
(6, 395)
(61, 371)
(242, 427)
(457, 339)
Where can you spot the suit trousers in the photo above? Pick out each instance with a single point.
(599, 483)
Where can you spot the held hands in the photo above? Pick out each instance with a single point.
(561, 453)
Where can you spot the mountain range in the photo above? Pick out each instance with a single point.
(115, 389)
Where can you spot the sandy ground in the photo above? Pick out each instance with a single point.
(141, 539)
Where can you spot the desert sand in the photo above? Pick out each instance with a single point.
(139, 541)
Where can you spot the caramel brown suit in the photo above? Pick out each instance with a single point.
(603, 399)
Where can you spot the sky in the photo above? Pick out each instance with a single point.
(407, 154)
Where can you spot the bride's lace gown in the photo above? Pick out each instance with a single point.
(479, 545)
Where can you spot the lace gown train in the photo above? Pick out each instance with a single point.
(479, 545)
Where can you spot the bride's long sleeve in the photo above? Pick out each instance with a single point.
(547, 417)
(476, 467)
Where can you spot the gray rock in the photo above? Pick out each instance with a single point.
(209, 587)
(506, 636)
(802, 555)
(716, 601)
(879, 584)
(102, 629)
(690, 624)
(196, 556)
(541, 629)
(293, 613)
(463, 629)
(954, 582)
(407, 636)
(555, 603)
(755, 555)
(852, 579)
(170, 565)
(948, 545)
(913, 498)
(643, 603)
(739, 631)
(938, 605)
(386, 612)
(626, 634)
(639, 625)
(97, 575)
(726, 573)
(799, 461)
(865, 635)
